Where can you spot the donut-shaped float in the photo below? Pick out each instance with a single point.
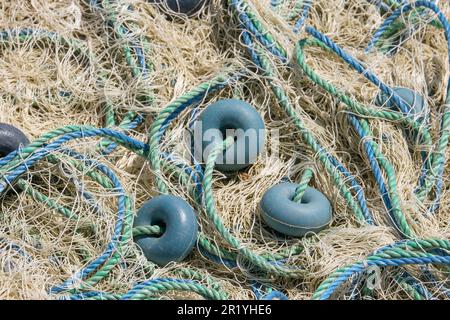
(224, 118)
(179, 224)
(292, 218)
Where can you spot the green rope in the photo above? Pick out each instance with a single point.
(296, 10)
(303, 185)
(147, 231)
(195, 275)
(213, 215)
(262, 29)
(411, 291)
(175, 286)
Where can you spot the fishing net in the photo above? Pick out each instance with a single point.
(108, 92)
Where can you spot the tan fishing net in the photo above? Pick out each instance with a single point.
(72, 64)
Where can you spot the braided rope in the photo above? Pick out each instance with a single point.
(148, 289)
(398, 254)
(249, 19)
(303, 184)
(147, 231)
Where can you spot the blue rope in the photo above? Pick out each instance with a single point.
(86, 295)
(136, 289)
(376, 170)
(136, 46)
(402, 10)
(275, 3)
(20, 32)
(353, 120)
(372, 77)
(354, 184)
(118, 190)
(258, 289)
(305, 13)
(22, 168)
(361, 266)
(355, 64)
(192, 173)
(246, 21)
(88, 197)
(271, 294)
(126, 127)
(125, 141)
(115, 239)
(133, 291)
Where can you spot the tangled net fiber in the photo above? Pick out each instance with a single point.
(107, 89)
